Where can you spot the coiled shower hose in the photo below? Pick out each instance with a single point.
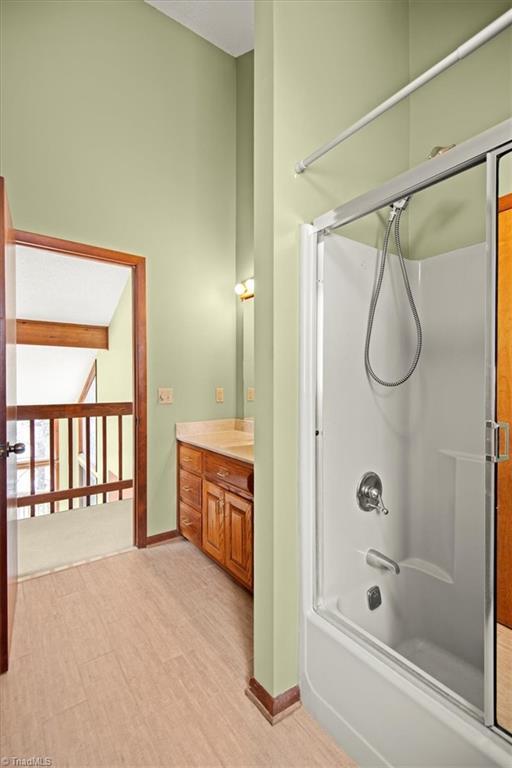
(395, 215)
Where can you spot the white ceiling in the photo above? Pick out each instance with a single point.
(50, 286)
(51, 375)
(228, 24)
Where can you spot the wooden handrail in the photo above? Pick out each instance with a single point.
(71, 493)
(85, 413)
(73, 410)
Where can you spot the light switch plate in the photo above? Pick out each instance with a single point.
(165, 395)
(251, 392)
(219, 394)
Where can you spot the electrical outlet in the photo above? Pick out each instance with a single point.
(250, 394)
(165, 395)
(219, 394)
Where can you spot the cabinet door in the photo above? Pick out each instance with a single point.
(213, 521)
(238, 521)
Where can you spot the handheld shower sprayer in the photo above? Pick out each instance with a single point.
(396, 210)
(395, 214)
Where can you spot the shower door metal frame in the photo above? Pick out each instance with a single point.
(483, 148)
(491, 362)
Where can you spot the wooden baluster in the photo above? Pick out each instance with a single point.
(104, 451)
(88, 455)
(120, 451)
(51, 424)
(70, 459)
(53, 415)
(32, 464)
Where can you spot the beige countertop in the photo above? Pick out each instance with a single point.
(229, 437)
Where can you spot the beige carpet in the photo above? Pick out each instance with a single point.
(54, 541)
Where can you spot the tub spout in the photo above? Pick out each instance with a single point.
(378, 560)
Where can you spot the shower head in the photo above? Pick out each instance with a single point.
(438, 150)
(398, 206)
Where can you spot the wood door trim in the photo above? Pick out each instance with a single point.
(50, 334)
(273, 708)
(504, 203)
(504, 413)
(8, 580)
(72, 248)
(138, 266)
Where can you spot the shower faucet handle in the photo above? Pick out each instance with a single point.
(369, 493)
(378, 504)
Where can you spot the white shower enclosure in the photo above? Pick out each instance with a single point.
(400, 666)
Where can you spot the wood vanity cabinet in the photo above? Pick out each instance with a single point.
(213, 521)
(215, 508)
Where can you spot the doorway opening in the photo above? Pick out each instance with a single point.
(81, 411)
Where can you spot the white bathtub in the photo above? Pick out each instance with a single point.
(413, 623)
(382, 715)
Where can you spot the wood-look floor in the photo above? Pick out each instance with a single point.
(142, 659)
(504, 677)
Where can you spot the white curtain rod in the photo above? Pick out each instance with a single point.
(486, 34)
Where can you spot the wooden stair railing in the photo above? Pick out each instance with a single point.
(69, 412)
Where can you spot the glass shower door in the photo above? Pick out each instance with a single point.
(402, 469)
(498, 709)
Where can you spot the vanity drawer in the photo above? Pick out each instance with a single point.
(190, 524)
(220, 469)
(190, 488)
(191, 459)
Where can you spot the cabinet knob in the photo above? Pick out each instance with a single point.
(222, 473)
(187, 488)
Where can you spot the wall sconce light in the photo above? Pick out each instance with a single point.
(245, 289)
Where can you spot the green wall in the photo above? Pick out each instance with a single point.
(319, 66)
(266, 656)
(118, 129)
(244, 201)
(473, 95)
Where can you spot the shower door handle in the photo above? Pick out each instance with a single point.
(497, 427)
